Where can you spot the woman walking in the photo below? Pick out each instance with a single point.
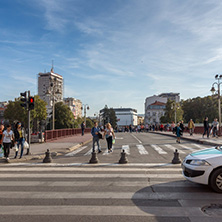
(178, 132)
(7, 138)
(19, 139)
(109, 134)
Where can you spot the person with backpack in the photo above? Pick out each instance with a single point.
(178, 132)
(95, 131)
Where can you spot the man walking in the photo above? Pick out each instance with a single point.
(83, 127)
(206, 127)
(95, 133)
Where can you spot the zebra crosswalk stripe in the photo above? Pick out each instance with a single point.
(158, 149)
(76, 151)
(173, 148)
(142, 150)
(185, 147)
(126, 148)
(17, 186)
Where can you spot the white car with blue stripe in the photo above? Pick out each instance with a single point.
(205, 167)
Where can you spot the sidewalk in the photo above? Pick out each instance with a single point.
(195, 137)
(56, 147)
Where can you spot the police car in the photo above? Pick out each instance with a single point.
(205, 167)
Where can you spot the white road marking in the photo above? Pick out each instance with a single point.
(76, 151)
(126, 148)
(142, 150)
(158, 149)
(106, 152)
(186, 147)
(136, 138)
(173, 148)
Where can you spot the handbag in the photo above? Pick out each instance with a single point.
(100, 135)
(25, 145)
(12, 144)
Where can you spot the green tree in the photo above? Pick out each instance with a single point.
(170, 109)
(198, 108)
(89, 123)
(14, 111)
(63, 116)
(109, 115)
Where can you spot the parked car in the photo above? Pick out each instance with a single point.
(205, 167)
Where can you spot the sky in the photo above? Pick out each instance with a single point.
(111, 52)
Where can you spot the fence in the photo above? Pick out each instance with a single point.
(60, 133)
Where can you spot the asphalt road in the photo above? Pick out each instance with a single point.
(149, 188)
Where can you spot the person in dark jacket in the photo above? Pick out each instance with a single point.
(206, 127)
(19, 134)
(182, 127)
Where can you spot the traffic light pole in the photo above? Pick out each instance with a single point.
(29, 136)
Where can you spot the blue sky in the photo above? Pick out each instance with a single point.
(114, 52)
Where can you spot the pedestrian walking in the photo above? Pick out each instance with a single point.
(109, 134)
(182, 127)
(206, 127)
(19, 134)
(7, 139)
(95, 131)
(191, 126)
(83, 126)
(178, 132)
(215, 127)
(173, 127)
(1, 132)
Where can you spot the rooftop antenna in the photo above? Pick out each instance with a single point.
(52, 69)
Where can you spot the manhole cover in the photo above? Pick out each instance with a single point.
(213, 210)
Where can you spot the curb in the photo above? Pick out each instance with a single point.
(42, 156)
(190, 139)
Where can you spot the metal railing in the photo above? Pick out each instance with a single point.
(61, 133)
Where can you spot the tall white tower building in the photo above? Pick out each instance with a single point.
(50, 88)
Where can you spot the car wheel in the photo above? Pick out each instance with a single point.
(216, 181)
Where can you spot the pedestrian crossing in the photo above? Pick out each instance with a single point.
(101, 194)
(162, 149)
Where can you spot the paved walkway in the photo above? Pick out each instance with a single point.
(56, 147)
(196, 138)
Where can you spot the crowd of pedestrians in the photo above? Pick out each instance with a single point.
(10, 138)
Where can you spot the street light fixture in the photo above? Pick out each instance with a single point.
(213, 90)
(85, 106)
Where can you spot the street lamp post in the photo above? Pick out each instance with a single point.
(213, 90)
(54, 94)
(85, 106)
(174, 106)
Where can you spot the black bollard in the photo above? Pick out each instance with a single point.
(48, 158)
(123, 158)
(94, 158)
(176, 158)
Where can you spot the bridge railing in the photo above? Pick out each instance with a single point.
(61, 133)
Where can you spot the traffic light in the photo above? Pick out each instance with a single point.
(23, 99)
(31, 103)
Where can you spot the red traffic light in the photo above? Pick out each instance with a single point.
(31, 103)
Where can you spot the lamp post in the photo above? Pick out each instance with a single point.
(85, 106)
(53, 92)
(213, 90)
(175, 107)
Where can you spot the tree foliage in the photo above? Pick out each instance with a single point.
(109, 116)
(14, 112)
(171, 108)
(198, 108)
(63, 116)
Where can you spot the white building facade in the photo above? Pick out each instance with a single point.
(50, 88)
(75, 106)
(155, 106)
(126, 116)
